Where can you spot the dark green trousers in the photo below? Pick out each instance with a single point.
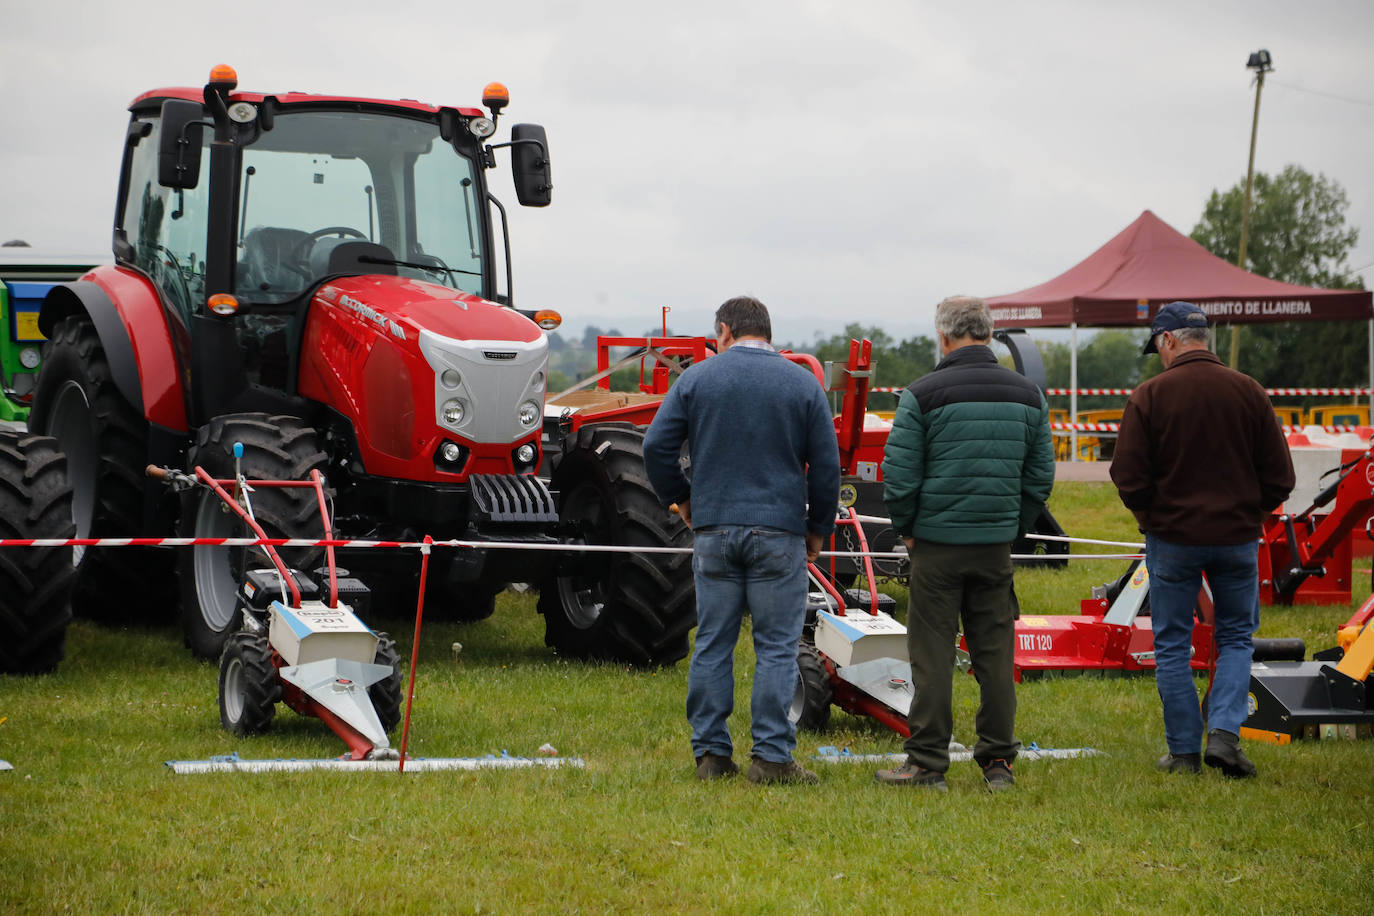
(969, 583)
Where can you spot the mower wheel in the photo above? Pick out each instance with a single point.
(274, 448)
(105, 439)
(386, 693)
(249, 686)
(626, 607)
(810, 708)
(35, 582)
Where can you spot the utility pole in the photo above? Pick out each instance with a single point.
(1261, 63)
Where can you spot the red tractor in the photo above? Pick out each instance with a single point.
(318, 279)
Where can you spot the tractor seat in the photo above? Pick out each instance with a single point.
(271, 260)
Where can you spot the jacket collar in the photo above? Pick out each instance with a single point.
(1195, 356)
(973, 353)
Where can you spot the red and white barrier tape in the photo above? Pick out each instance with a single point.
(474, 545)
(1272, 392)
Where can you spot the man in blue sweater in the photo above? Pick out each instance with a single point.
(761, 501)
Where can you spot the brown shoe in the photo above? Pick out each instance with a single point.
(766, 772)
(1180, 763)
(714, 766)
(914, 775)
(997, 775)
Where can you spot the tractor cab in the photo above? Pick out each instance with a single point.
(238, 206)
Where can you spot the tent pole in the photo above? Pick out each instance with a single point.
(1073, 389)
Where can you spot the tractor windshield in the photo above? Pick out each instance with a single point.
(355, 175)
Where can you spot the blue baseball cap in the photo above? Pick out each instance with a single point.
(1173, 316)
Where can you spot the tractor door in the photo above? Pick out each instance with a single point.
(161, 231)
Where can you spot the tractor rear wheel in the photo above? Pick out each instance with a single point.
(810, 708)
(274, 448)
(249, 687)
(35, 582)
(106, 442)
(386, 693)
(627, 607)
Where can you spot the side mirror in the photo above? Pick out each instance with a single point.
(529, 156)
(178, 147)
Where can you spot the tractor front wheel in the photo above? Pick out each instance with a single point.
(274, 448)
(35, 582)
(627, 607)
(249, 687)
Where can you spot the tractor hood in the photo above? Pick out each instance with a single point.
(405, 307)
(414, 365)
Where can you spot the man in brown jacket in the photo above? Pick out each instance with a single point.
(1201, 461)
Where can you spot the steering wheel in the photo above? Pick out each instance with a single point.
(303, 247)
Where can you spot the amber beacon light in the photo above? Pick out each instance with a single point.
(224, 73)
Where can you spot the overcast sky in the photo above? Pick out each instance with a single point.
(842, 161)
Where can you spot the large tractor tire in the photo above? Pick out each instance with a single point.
(626, 607)
(810, 709)
(106, 443)
(274, 448)
(249, 686)
(386, 693)
(35, 582)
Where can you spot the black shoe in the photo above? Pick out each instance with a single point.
(1180, 763)
(767, 772)
(1223, 752)
(912, 774)
(997, 774)
(714, 766)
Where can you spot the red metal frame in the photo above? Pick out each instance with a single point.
(1305, 557)
(315, 482)
(850, 519)
(853, 700)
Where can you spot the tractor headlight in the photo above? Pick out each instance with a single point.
(481, 128)
(525, 453)
(529, 413)
(450, 378)
(451, 452)
(453, 411)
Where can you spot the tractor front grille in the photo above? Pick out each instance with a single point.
(508, 498)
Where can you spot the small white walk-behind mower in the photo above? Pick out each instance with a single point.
(319, 660)
(853, 653)
(300, 643)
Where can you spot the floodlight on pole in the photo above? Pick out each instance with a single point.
(1261, 62)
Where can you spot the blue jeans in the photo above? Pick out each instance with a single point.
(762, 569)
(1175, 579)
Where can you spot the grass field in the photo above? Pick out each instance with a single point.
(91, 820)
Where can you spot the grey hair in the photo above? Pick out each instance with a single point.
(1193, 336)
(960, 317)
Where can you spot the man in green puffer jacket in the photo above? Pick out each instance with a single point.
(967, 468)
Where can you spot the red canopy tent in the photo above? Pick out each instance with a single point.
(1150, 264)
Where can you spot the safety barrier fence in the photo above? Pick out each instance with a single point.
(424, 546)
(1125, 392)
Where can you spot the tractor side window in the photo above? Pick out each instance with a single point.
(167, 228)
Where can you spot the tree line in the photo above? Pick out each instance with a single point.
(1298, 234)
